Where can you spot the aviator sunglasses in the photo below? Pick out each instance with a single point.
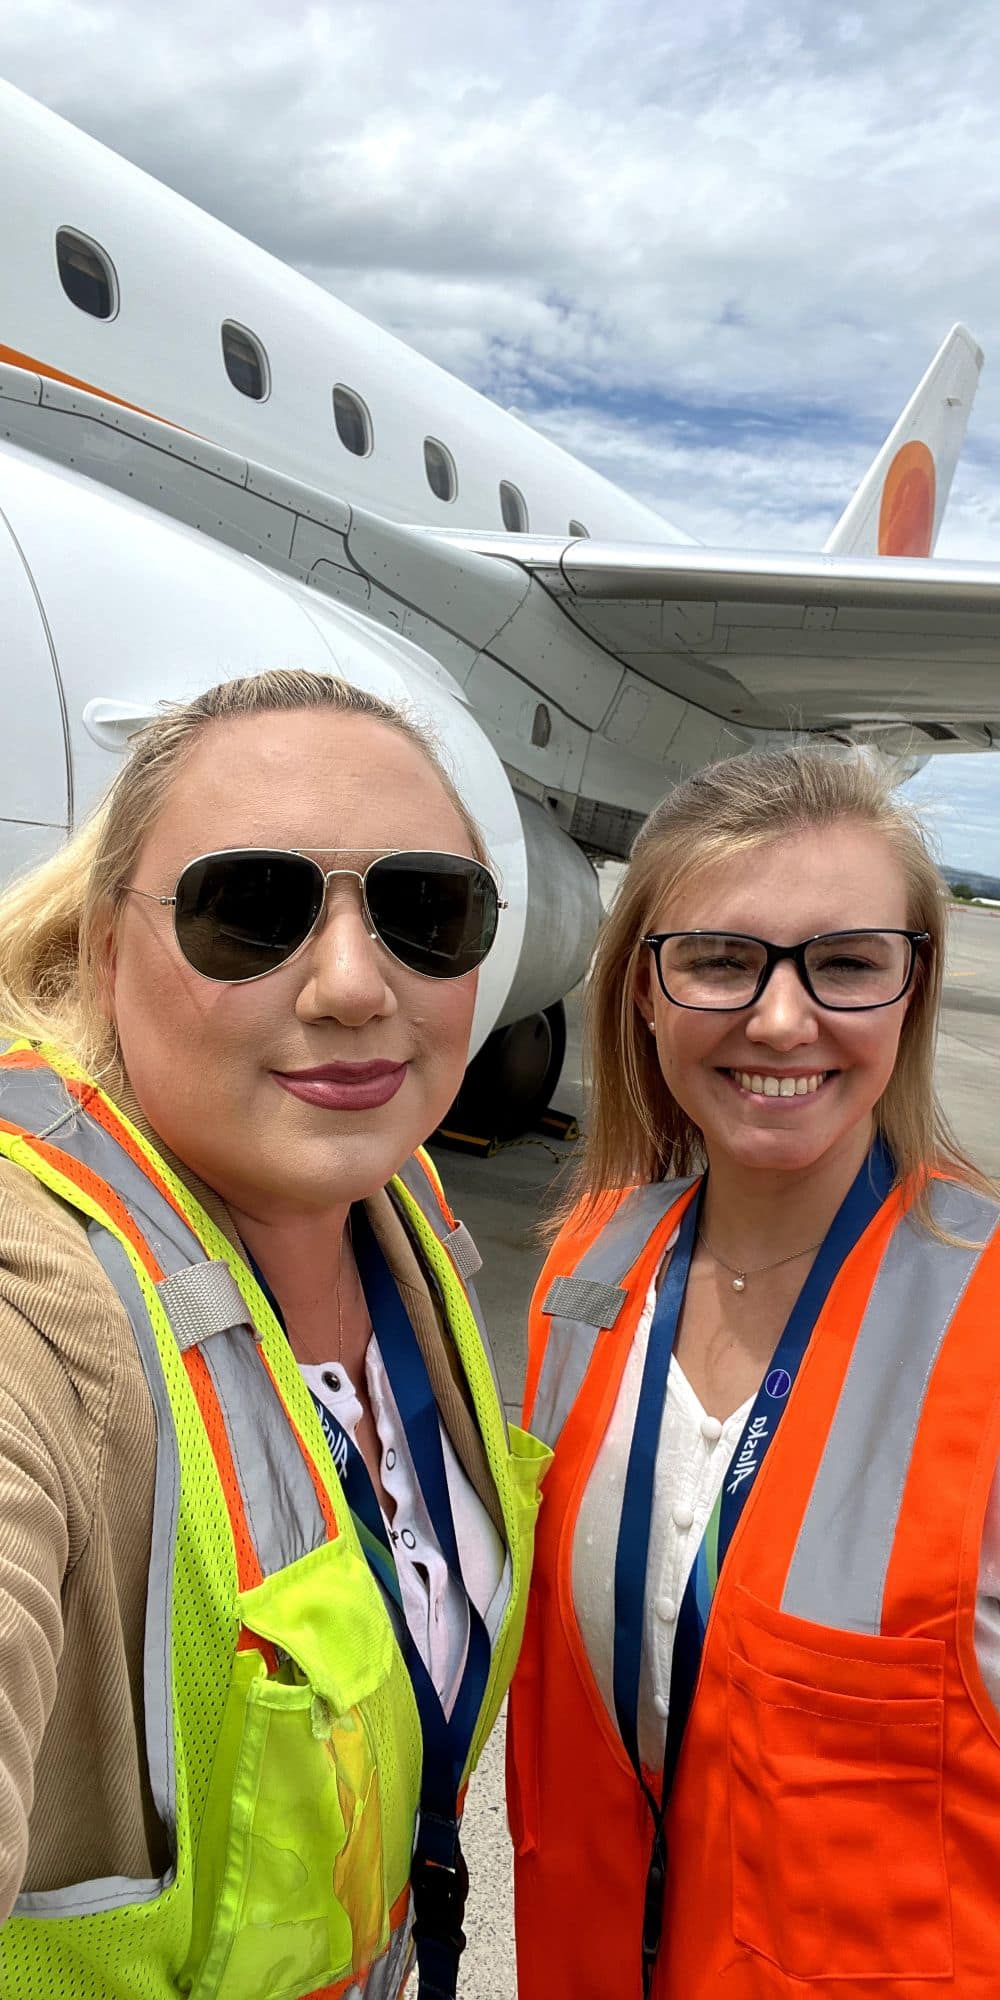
(244, 911)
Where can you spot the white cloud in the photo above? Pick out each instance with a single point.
(709, 249)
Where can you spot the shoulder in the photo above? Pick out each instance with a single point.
(640, 1207)
(959, 1211)
(44, 1249)
(63, 1338)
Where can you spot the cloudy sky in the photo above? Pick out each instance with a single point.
(710, 249)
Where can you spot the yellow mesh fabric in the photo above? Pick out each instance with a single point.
(137, 1953)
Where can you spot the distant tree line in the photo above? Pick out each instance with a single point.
(971, 886)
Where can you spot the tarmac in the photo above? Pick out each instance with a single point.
(504, 1201)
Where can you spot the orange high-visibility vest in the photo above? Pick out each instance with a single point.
(835, 1820)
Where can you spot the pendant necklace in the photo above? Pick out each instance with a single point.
(740, 1275)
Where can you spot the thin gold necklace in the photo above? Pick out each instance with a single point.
(740, 1275)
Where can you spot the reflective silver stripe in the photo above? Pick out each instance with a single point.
(116, 1891)
(87, 1899)
(581, 1298)
(417, 1183)
(39, 1101)
(283, 1512)
(203, 1299)
(385, 1979)
(457, 1241)
(571, 1342)
(463, 1252)
(838, 1571)
(278, 1493)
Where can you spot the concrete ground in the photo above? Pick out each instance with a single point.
(504, 1200)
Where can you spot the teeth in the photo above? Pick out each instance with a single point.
(780, 1086)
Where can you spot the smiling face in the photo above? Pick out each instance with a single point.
(214, 1066)
(723, 1068)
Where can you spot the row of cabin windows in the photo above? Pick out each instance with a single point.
(89, 280)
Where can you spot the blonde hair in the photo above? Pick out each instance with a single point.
(637, 1131)
(55, 922)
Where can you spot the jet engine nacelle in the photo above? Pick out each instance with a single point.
(562, 919)
(107, 608)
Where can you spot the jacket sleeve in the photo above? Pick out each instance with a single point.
(34, 1543)
(55, 1387)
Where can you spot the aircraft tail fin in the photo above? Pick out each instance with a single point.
(899, 505)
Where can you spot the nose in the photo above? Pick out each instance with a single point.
(785, 1016)
(343, 969)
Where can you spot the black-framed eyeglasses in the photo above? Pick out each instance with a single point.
(724, 971)
(244, 911)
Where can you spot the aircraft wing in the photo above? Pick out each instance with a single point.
(625, 644)
(870, 647)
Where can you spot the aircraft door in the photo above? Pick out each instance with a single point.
(35, 786)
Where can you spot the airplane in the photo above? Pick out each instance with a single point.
(209, 465)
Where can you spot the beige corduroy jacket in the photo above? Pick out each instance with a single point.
(77, 1460)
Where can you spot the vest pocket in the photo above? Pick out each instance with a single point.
(835, 1778)
(290, 1890)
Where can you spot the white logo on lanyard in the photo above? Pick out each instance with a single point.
(746, 1464)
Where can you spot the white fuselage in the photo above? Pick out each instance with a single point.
(181, 274)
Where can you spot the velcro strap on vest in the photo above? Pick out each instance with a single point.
(463, 1252)
(201, 1300)
(584, 1300)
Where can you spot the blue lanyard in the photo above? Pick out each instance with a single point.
(438, 1873)
(362, 1500)
(861, 1204)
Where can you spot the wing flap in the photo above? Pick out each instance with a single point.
(799, 642)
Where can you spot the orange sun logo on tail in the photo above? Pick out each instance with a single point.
(906, 517)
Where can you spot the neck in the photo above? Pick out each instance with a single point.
(758, 1216)
(309, 1264)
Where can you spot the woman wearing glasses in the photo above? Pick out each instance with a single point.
(263, 1537)
(755, 1743)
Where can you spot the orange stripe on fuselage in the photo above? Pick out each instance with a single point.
(15, 359)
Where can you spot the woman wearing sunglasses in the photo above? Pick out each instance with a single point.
(755, 1741)
(264, 1538)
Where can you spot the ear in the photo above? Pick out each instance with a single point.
(107, 967)
(642, 991)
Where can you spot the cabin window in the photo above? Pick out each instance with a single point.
(513, 509)
(246, 361)
(354, 425)
(577, 528)
(440, 468)
(87, 274)
(541, 728)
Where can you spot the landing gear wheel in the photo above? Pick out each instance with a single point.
(510, 1082)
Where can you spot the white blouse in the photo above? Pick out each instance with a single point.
(434, 1603)
(693, 1455)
